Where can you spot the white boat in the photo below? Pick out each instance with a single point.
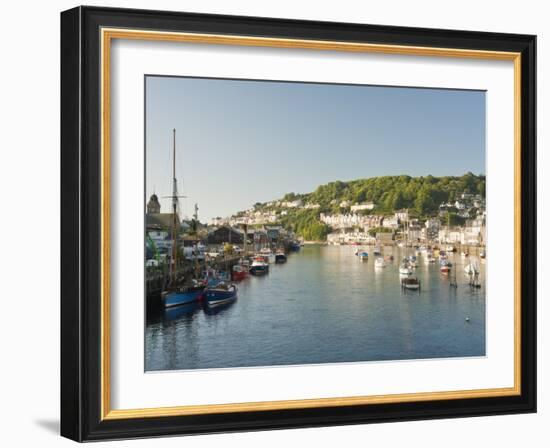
(379, 262)
(471, 269)
(405, 270)
(268, 254)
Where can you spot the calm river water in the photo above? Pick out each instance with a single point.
(325, 306)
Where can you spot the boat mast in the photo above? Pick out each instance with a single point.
(174, 209)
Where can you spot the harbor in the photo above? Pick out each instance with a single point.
(287, 283)
(325, 304)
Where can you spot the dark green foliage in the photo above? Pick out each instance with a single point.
(421, 195)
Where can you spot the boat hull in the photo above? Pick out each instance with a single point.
(217, 297)
(175, 298)
(280, 258)
(259, 270)
(239, 275)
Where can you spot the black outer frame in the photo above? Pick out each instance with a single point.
(80, 223)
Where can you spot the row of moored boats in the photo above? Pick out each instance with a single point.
(217, 288)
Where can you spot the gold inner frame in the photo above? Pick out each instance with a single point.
(107, 35)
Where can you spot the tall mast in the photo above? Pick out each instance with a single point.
(174, 209)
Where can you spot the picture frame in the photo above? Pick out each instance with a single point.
(86, 37)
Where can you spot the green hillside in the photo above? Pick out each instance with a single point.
(420, 195)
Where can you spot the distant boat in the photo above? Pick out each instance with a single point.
(445, 266)
(379, 262)
(377, 252)
(410, 283)
(363, 256)
(259, 266)
(280, 257)
(221, 294)
(482, 254)
(295, 246)
(471, 269)
(405, 269)
(182, 295)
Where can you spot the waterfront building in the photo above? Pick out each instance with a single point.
(391, 222)
(225, 234)
(348, 220)
(363, 206)
(273, 233)
(413, 233)
(350, 237)
(431, 229)
(450, 235)
(153, 206)
(155, 220)
(402, 215)
(292, 204)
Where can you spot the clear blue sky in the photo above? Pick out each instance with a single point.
(241, 142)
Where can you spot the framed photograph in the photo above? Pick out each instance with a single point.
(273, 223)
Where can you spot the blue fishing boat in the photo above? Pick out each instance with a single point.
(221, 294)
(295, 246)
(183, 295)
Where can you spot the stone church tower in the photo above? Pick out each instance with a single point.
(153, 206)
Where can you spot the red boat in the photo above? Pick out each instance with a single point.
(239, 272)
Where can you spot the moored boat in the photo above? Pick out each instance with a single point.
(268, 254)
(379, 262)
(239, 272)
(363, 256)
(280, 257)
(471, 269)
(410, 283)
(259, 266)
(182, 295)
(221, 294)
(405, 269)
(445, 266)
